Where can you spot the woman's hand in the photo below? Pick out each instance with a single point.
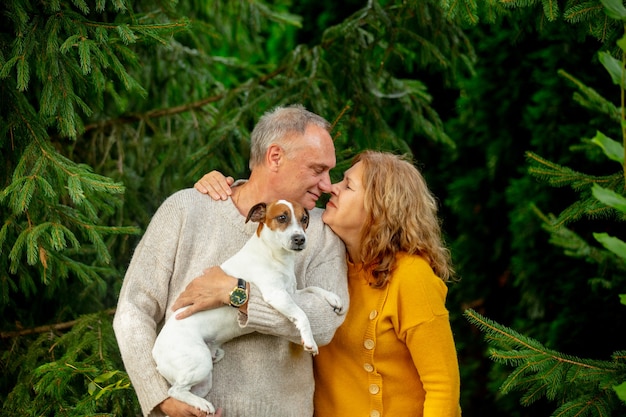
(174, 408)
(216, 185)
(209, 290)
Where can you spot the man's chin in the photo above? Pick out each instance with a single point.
(310, 201)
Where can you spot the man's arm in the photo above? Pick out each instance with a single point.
(141, 306)
(324, 267)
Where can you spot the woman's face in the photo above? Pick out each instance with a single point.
(345, 211)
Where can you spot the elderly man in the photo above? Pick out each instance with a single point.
(265, 373)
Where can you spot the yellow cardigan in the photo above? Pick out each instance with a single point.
(394, 355)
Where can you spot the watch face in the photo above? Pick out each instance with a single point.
(238, 297)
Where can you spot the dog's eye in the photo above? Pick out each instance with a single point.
(304, 220)
(281, 219)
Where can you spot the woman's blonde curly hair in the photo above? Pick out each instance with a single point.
(401, 217)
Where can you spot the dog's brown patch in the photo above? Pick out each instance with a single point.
(277, 215)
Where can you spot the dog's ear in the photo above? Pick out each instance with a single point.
(305, 220)
(256, 213)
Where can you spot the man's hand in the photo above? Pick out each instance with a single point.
(174, 408)
(215, 185)
(209, 290)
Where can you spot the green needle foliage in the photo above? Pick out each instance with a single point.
(109, 106)
(72, 374)
(585, 17)
(580, 387)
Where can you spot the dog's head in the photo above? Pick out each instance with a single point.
(286, 220)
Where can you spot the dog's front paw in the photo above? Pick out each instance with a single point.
(335, 302)
(207, 407)
(311, 348)
(218, 355)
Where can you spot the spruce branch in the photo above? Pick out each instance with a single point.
(183, 108)
(47, 327)
(579, 386)
(587, 205)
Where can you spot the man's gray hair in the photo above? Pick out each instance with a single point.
(279, 126)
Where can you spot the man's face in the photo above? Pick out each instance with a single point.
(305, 171)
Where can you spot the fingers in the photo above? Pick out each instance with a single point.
(216, 185)
(185, 313)
(181, 302)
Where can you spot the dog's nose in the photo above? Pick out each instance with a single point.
(298, 240)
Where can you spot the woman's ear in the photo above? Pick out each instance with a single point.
(274, 156)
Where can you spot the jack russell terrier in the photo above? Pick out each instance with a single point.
(185, 349)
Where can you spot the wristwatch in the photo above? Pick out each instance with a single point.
(239, 295)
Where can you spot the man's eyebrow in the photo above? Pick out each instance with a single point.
(322, 167)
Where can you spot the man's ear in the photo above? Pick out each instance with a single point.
(274, 156)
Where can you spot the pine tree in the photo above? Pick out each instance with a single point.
(585, 17)
(579, 387)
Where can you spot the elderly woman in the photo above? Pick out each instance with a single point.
(394, 355)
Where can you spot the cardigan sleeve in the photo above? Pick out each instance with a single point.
(434, 355)
(424, 326)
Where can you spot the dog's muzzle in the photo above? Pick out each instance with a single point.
(298, 242)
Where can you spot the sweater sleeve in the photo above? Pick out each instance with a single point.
(326, 268)
(142, 304)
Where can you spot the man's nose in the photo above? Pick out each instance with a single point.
(325, 185)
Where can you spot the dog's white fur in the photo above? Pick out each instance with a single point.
(185, 349)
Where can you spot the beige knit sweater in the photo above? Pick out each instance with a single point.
(265, 373)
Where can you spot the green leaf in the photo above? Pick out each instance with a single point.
(614, 67)
(613, 149)
(622, 43)
(105, 376)
(615, 9)
(611, 243)
(609, 197)
(91, 388)
(620, 390)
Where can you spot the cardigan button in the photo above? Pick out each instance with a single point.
(374, 413)
(374, 389)
(368, 367)
(369, 344)
(373, 314)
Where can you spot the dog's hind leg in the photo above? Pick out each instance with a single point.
(189, 370)
(193, 385)
(183, 393)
